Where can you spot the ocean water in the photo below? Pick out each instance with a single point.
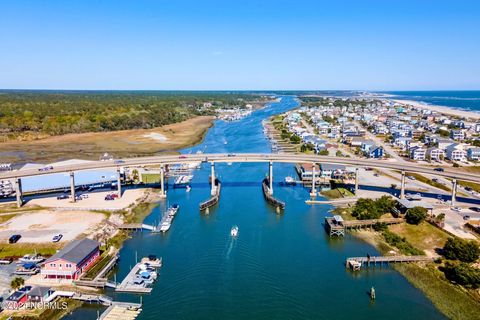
(465, 100)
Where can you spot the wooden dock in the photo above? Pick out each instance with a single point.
(137, 226)
(336, 226)
(121, 310)
(356, 263)
(214, 199)
(279, 205)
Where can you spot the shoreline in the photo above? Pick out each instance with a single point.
(451, 111)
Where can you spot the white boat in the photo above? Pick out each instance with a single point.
(289, 180)
(165, 226)
(31, 258)
(188, 188)
(234, 231)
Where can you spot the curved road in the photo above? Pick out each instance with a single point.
(248, 157)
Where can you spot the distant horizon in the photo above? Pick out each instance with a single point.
(241, 90)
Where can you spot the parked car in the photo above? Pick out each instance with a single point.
(468, 189)
(47, 168)
(6, 260)
(109, 197)
(14, 238)
(57, 238)
(118, 161)
(435, 180)
(182, 157)
(114, 195)
(467, 217)
(457, 209)
(476, 209)
(62, 197)
(411, 177)
(439, 169)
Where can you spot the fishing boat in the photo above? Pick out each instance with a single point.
(290, 181)
(234, 231)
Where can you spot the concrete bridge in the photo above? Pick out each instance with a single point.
(451, 173)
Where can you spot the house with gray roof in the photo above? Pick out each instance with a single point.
(73, 260)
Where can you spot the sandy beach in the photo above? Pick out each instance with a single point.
(441, 109)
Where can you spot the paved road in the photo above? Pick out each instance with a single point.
(452, 173)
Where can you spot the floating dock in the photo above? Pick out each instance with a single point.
(279, 205)
(214, 199)
(128, 285)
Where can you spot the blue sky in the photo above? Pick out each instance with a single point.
(223, 45)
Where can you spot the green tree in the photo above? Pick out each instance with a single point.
(385, 204)
(366, 208)
(416, 215)
(462, 274)
(17, 283)
(463, 250)
(323, 152)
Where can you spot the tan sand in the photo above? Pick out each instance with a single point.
(441, 109)
(41, 226)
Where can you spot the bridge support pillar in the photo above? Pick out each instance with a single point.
(356, 180)
(402, 186)
(162, 182)
(270, 176)
(212, 178)
(72, 187)
(119, 183)
(454, 191)
(18, 191)
(313, 193)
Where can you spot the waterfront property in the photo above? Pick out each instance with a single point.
(73, 260)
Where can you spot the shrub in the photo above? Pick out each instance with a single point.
(459, 249)
(372, 209)
(416, 215)
(462, 274)
(380, 226)
(401, 243)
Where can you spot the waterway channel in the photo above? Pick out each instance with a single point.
(279, 266)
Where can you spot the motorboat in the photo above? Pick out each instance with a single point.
(165, 226)
(234, 231)
(188, 189)
(31, 258)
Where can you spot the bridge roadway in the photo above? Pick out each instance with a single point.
(452, 173)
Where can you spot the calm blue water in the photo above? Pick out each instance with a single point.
(468, 100)
(279, 267)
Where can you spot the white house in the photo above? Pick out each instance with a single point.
(417, 153)
(435, 154)
(456, 152)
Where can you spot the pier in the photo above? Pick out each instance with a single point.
(268, 194)
(356, 263)
(121, 310)
(336, 226)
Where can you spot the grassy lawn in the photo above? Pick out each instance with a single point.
(454, 301)
(12, 208)
(92, 273)
(345, 212)
(150, 177)
(20, 249)
(430, 182)
(424, 236)
(337, 193)
(474, 186)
